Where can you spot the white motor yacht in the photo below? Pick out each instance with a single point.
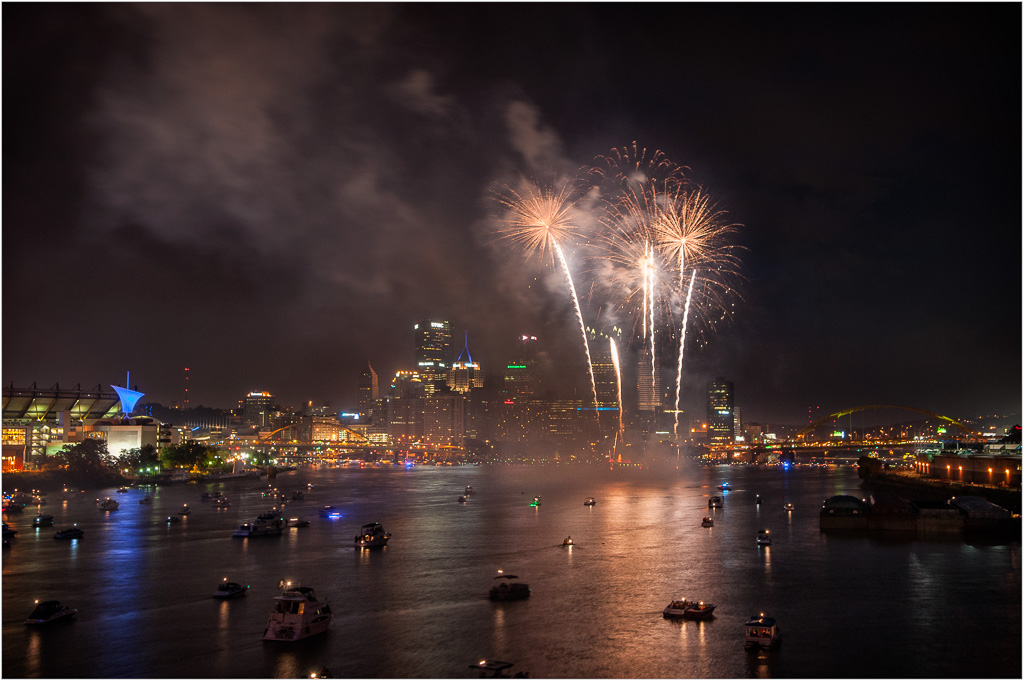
(297, 614)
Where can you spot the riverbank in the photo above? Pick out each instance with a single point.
(55, 481)
(912, 486)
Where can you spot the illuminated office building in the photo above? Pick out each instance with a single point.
(256, 409)
(721, 416)
(433, 353)
(465, 373)
(368, 389)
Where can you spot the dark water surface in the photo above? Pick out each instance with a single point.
(848, 606)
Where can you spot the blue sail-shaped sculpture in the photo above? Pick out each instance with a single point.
(128, 397)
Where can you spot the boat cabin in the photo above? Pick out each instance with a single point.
(761, 631)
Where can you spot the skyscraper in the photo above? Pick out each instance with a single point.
(648, 382)
(465, 373)
(433, 339)
(256, 408)
(368, 392)
(721, 419)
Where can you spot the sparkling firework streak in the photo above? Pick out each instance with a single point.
(618, 379)
(679, 367)
(690, 230)
(631, 166)
(536, 221)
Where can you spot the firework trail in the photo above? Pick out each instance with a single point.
(618, 379)
(536, 221)
(679, 367)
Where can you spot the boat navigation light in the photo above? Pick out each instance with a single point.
(36, 601)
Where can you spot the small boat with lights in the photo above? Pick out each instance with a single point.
(462, 500)
(715, 502)
(567, 541)
(50, 611)
(221, 502)
(725, 487)
(491, 668)
(298, 522)
(146, 500)
(42, 520)
(469, 491)
(764, 537)
(508, 589)
(297, 614)
(707, 522)
(70, 533)
(788, 507)
(372, 536)
(691, 610)
(185, 510)
(761, 632)
(108, 504)
(536, 501)
(260, 528)
(330, 512)
(228, 589)
(8, 532)
(589, 501)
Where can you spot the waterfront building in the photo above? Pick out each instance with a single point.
(433, 353)
(368, 392)
(405, 419)
(256, 409)
(444, 419)
(721, 419)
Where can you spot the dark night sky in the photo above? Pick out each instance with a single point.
(273, 194)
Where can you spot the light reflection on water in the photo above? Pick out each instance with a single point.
(595, 610)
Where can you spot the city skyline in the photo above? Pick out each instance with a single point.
(272, 196)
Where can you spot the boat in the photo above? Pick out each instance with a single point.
(210, 496)
(590, 501)
(259, 528)
(221, 502)
(715, 502)
(707, 522)
(372, 536)
(462, 500)
(492, 667)
(757, 500)
(536, 501)
(507, 589)
(691, 610)
(330, 512)
(122, 490)
(567, 541)
(761, 632)
(13, 507)
(108, 504)
(297, 522)
(50, 611)
(185, 510)
(725, 486)
(297, 614)
(173, 519)
(764, 538)
(228, 589)
(69, 533)
(146, 500)
(42, 520)
(8, 532)
(788, 506)
(469, 491)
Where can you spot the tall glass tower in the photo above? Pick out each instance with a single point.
(721, 416)
(433, 353)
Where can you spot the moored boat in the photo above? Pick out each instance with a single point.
(691, 610)
(508, 589)
(372, 536)
(761, 632)
(297, 614)
(108, 504)
(259, 528)
(42, 520)
(228, 589)
(50, 611)
(69, 533)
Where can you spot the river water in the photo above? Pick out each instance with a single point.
(847, 606)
